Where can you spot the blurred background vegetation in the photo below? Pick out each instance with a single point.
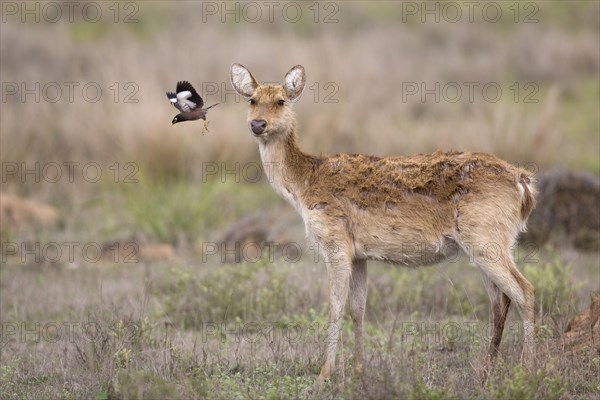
(158, 186)
(359, 56)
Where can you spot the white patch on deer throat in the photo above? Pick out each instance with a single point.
(272, 155)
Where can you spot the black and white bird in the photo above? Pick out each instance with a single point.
(189, 102)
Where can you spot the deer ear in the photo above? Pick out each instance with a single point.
(294, 82)
(242, 80)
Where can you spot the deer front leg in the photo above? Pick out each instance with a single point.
(358, 300)
(338, 271)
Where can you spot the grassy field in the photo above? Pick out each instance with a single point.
(113, 285)
(192, 329)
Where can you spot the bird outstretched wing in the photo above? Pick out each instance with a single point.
(186, 98)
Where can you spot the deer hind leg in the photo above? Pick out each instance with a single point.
(358, 299)
(486, 229)
(501, 270)
(499, 305)
(339, 269)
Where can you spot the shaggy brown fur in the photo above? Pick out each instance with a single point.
(406, 210)
(372, 182)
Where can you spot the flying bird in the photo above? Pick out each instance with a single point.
(189, 102)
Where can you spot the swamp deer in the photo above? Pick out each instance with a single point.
(402, 210)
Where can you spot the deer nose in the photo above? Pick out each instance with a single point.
(258, 126)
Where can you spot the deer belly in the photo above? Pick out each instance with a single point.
(390, 240)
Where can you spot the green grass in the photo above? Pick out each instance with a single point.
(169, 210)
(206, 330)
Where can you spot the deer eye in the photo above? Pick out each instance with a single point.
(281, 102)
(252, 101)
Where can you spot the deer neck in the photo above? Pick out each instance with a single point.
(285, 166)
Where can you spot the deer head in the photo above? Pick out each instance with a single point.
(270, 115)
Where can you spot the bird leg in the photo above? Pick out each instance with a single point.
(205, 127)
